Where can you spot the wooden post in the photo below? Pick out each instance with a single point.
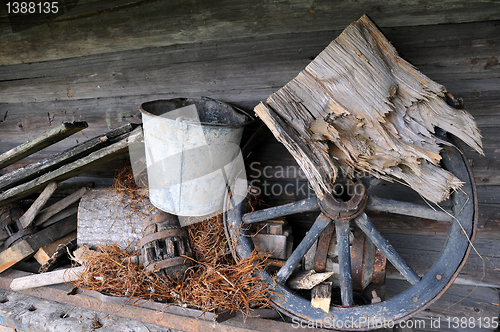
(45, 214)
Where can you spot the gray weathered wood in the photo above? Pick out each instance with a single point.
(28, 217)
(307, 279)
(55, 208)
(119, 25)
(49, 278)
(376, 109)
(105, 217)
(67, 171)
(321, 296)
(26, 247)
(55, 135)
(31, 171)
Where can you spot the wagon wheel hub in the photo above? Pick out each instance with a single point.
(347, 200)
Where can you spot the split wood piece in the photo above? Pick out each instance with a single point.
(84, 164)
(31, 171)
(28, 217)
(59, 257)
(309, 258)
(26, 247)
(321, 296)
(52, 136)
(55, 208)
(307, 279)
(49, 278)
(324, 242)
(44, 254)
(359, 106)
(106, 217)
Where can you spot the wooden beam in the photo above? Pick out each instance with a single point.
(321, 296)
(28, 217)
(51, 163)
(208, 22)
(52, 136)
(67, 171)
(26, 247)
(307, 279)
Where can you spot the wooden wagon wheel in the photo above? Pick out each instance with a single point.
(424, 289)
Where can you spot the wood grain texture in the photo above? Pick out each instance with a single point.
(359, 106)
(65, 172)
(52, 136)
(123, 25)
(105, 217)
(28, 217)
(45, 279)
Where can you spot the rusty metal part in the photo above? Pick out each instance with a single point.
(379, 265)
(324, 241)
(165, 246)
(19, 235)
(347, 200)
(363, 261)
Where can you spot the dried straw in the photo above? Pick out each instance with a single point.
(216, 281)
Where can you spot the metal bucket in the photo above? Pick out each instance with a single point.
(192, 154)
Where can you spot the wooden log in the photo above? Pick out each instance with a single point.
(67, 171)
(26, 247)
(38, 168)
(321, 296)
(28, 217)
(49, 278)
(307, 279)
(44, 254)
(105, 217)
(52, 136)
(55, 208)
(68, 214)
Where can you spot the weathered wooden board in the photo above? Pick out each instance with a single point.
(122, 25)
(52, 136)
(94, 159)
(105, 217)
(447, 52)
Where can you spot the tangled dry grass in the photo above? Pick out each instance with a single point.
(214, 282)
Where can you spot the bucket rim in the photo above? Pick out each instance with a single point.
(248, 118)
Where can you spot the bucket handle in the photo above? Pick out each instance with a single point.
(235, 107)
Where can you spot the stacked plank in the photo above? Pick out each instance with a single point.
(359, 106)
(40, 232)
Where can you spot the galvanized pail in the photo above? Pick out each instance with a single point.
(192, 153)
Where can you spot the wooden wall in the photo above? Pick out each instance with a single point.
(101, 59)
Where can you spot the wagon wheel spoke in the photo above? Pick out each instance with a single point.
(312, 235)
(305, 205)
(407, 209)
(387, 249)
(344, 255)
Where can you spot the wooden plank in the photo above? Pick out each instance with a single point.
(200, 22)
(65, 172)
(444, 53)
(45, 279)
(28, 217)
(44, 254)
(55, 135)
(31, 171)
(55, 208)
(16, 253)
